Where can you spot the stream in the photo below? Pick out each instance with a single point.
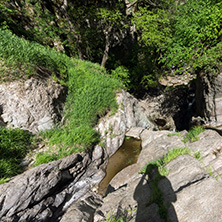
(126, 155)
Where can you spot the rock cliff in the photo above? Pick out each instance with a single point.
(33, 105)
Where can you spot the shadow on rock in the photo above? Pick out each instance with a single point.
(153, 204)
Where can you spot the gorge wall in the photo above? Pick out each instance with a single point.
(67, 189)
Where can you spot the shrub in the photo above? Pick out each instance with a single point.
(14, 145)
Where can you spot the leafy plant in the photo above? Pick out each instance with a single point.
(196, 29)
(112, 218)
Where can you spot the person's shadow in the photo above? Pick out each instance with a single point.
(154, 202)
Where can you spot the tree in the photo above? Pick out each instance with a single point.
(196, 29)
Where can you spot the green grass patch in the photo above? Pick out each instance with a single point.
(192, 135)
(14, 145)
(91, 94)
(173, 134)
(112, 218)
(17, 53)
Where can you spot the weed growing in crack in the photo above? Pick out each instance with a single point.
(156, 171)
(192, 135)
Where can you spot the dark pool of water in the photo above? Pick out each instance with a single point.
(126, 155)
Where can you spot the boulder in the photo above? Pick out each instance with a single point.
(171, 109)
(45, 192)
(114, 127)
(210, 147)
(33, 105)
(190, 193)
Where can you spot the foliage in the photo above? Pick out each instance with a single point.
(18, 52)
(91, 92)
(14, 145)
(192, 135)
(90, 95)
(196, 29)
(122, 73)
(154, 26)
(137, 42)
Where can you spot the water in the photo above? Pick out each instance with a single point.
(126, 155)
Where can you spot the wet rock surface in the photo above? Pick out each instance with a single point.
(33, 105)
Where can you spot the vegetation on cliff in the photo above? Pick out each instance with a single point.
(141, 40)
(137, 41)
(14, 145)
(91, 92)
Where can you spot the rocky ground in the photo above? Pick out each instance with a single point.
(67, 190)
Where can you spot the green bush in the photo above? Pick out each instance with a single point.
(14, 145)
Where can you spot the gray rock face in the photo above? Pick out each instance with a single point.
(188, 192)
(45, 192)
(209, 98)
(172, 109)
(113, 128)
(34, 105)
(210, 146)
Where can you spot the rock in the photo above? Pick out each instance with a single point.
(209, 98)
(33, 105)
(155, 144)
(46, 191)
(83, 209)
(135, 132)
(123, 203)
(210, 147)
(113, 128)
(172, 109)
(129, 191)
(190, 193)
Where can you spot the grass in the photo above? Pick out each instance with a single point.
(17, 53)
(173, 134)
(112, 218)
(14, 145)
(91, 91)
(192, 135)
(161, 163)
(156, 171)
